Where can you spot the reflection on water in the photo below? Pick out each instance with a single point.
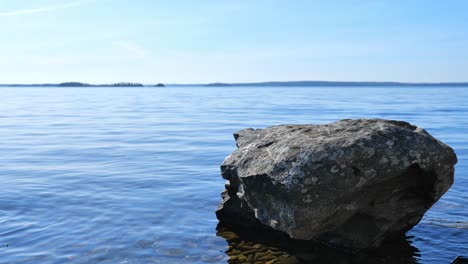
(258, 247)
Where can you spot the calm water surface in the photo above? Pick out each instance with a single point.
(131, 175)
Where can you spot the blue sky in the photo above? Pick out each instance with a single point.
(102, 41)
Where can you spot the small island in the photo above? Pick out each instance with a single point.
(81, 84)
(127, 84)
(73, 84)
(160, 85)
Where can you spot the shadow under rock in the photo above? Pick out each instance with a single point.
(256, 246)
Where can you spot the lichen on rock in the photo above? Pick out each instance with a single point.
(351, 183)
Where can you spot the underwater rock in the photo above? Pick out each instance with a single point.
(351, 183)
(460, 260)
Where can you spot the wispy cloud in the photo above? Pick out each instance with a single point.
(132, 48)
(43, 9)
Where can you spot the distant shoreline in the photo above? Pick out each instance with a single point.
(80, 84)
(335, 83)
(254, 84)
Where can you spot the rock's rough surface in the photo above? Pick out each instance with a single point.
(351, 183)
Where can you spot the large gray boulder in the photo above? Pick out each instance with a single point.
(351, 183)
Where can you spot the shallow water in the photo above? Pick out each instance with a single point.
(131, 175)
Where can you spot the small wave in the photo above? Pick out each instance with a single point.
(447, 223)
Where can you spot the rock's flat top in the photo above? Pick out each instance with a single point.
(349, 183)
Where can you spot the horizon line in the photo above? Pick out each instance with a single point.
(299, 82)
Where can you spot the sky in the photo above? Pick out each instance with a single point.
(202, 41)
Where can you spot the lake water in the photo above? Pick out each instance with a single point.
(131, 175)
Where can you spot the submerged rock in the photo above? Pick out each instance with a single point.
(460, 260)
(351, 183)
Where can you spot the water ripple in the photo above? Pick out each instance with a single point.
(132, 175)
